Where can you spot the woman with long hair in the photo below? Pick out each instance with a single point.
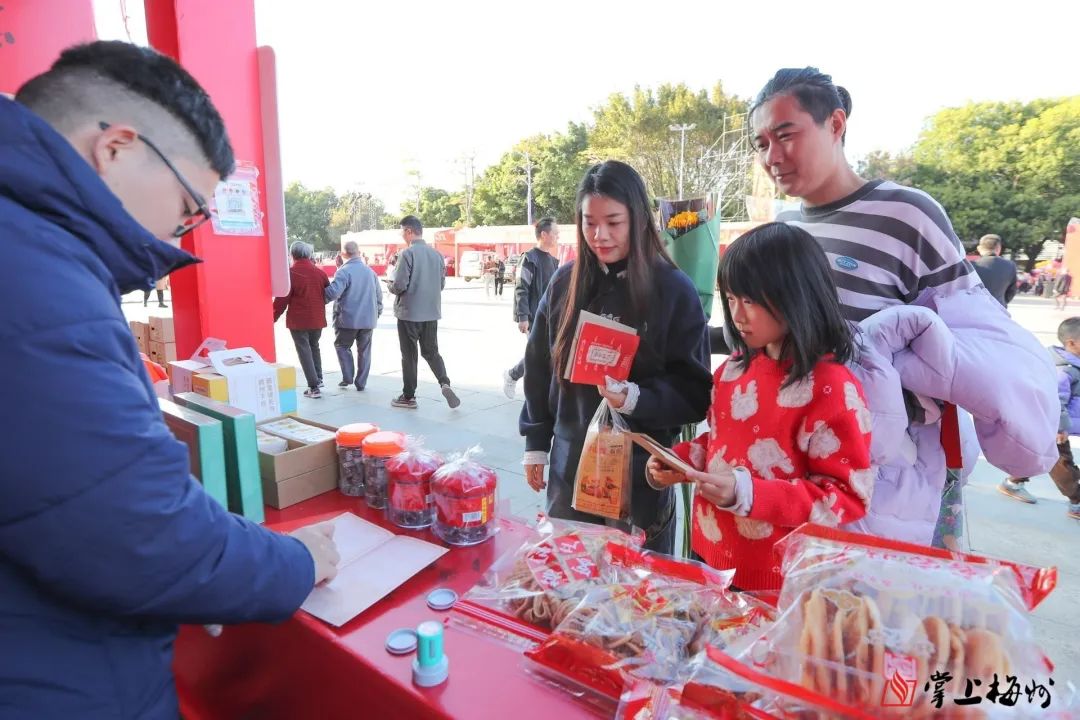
(622, 272)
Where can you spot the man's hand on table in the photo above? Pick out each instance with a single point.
(319, 541)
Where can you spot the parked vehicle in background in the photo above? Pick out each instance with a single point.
(513, 264)
(474, 263)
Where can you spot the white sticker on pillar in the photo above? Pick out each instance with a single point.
(235, 205)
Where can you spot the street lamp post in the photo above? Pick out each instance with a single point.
(682, 130)
(528, 168)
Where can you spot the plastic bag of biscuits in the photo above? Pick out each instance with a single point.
(643, 628)
(635, 629)
(731, 615)
(887, 628)
(540, 582)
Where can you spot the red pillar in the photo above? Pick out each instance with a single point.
(228, 296)
(33, 32)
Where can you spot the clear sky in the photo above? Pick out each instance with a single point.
(370, 89)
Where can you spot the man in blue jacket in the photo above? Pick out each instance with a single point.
(358, 302)
(106, 541)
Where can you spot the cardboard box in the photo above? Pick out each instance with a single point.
(241, 453)
(211, 385)
(161, 330)
(141, 331)
(162, 353)
(252, 383)
(205, 438)
(301, 472)
(286, 376)
(183, 372)
(302, 431)
(299, 488)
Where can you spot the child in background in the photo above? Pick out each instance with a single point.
(1065, 473)
(789, 438)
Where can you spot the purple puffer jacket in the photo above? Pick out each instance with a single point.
(961, 348)
(1068, 374)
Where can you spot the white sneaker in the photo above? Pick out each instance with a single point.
(509, 385)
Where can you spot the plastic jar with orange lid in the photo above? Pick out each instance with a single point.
(350, 441)
(378, 448)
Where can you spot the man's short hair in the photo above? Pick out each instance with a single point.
(544, 225)
(301, 250)
(989, 243)
(107, 80)
(1069, 329)
(352, 249)
(412, 223)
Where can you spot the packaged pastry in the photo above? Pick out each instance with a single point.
(642, 628)
(292, 429)
(602, 482)
(890, 628)
(541, 581)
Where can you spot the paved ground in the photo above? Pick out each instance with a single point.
(478, 340)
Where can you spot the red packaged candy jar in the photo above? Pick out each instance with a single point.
(409, 502)
(464, 494)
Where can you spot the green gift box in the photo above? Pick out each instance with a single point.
(205, 438)
(241, 453)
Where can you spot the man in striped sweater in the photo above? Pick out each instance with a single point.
(891, 246)
(886, 244)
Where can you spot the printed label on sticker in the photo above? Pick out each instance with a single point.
(583, 568)
(550, 577)
(570, 545)
(540, 553)
(464, 512)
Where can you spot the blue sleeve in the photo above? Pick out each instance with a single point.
(338, 286)
(537, 422)
(681, 392)
(97, 504)
(378, 294)
(1064, 396)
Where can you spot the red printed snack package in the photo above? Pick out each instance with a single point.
(464, 494)
(644, 627)
(409, 500)
(541, 581)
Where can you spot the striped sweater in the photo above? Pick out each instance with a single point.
(886, 243)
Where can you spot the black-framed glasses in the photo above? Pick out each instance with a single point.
(202, 213)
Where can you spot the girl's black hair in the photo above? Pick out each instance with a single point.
(783, 269)
(814, 90)
(620, 182)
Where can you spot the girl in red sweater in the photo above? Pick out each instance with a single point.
(789, 438)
